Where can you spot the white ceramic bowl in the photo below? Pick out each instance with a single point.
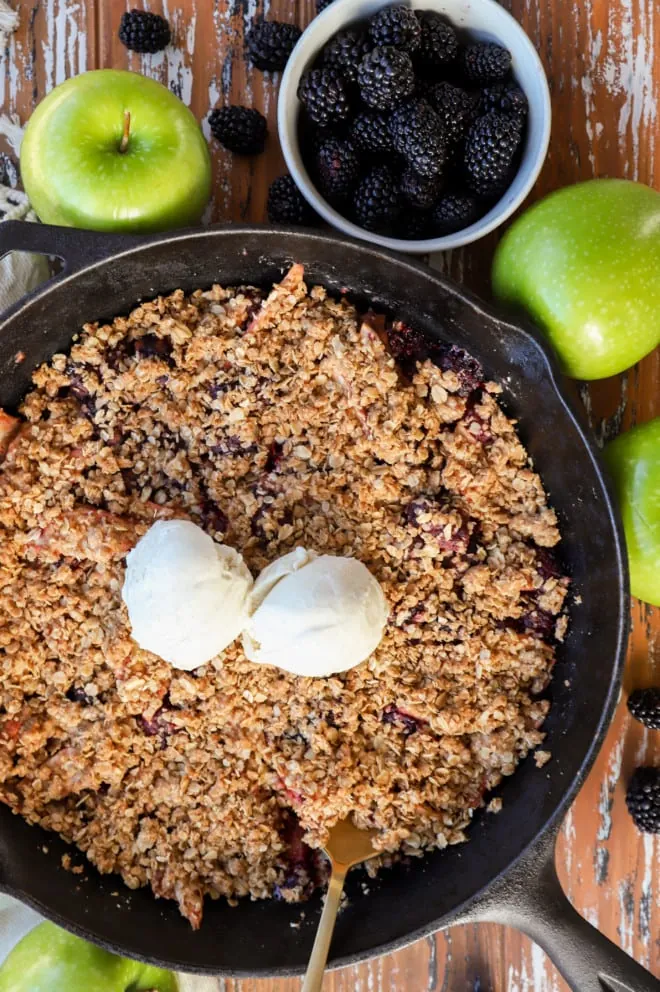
(483, 20)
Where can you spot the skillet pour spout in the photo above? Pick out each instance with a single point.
(506, 872)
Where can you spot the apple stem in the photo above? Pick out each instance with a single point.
(127, 129)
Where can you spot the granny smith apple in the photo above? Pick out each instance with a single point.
(49, 959)
(115, 151)
(585, 263)
(634, 463)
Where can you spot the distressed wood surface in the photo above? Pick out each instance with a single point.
(606, 86)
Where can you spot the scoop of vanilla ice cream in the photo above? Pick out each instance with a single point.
(186, 595)
(314, 614)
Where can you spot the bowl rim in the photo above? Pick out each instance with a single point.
(495, 217)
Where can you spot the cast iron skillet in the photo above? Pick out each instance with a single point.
(506, 872)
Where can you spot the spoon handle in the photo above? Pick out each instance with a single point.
(316, 967)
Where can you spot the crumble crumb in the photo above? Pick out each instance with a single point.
(495, 805)
(541, 758)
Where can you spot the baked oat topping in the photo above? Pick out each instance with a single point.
(271, 422)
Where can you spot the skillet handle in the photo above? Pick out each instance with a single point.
(76, 248)
(531, 899)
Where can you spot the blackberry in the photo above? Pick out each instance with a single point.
(312, 135)
(240, 129)
(321, 5)
(644, 705)
(643, 799)
(324, 95)
(396, 26)
(417, 135)
(412, 225)
(269, 45)
(505, 98)
(345, 51)
(386, 78)
(338, 168)
(490, 152)
(419, 191)
(142, 31)
(454, 107)
(370, 132)
(452, 213)
(377, 201)
(286, 204)
(485, 63)
(439, 43)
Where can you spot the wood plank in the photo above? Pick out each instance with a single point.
(606, 84)
(55, 40)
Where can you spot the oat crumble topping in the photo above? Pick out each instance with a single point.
(272, 422)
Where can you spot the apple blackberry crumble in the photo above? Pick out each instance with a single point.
(272, 421)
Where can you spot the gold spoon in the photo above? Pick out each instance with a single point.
(347, 846)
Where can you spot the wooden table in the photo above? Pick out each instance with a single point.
(606, 86)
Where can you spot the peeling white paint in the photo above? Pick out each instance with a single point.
(534, 975)
(626, 928)
(607, 787)
(568, 830)
(64, 52)
(633, 76)
(180, 56)
(624, 68)
(645, 904)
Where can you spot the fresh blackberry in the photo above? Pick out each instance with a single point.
(370, 132)
(321, 5)
(643, 799)
(396, 26)
(386, 78)
(454, 107)
(452, 213)
(485, 63)
(312, 134)
(338, 168)
(644, 704)
(377, 201)
(439, 43)
(417, 134)
(240, 129)
(142, 31)
(324, 95)
(412, 225)
(419, 191)
(505, 98)
(345, 51)
(490, 152)
(269, 44)
(286, 204)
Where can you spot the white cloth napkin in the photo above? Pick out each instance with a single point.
(20, 271)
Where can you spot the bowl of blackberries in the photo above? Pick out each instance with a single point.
(418, 126)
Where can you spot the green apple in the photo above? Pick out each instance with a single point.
(634, 463)
(585, 263)
(49, 959)
(115, 151)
